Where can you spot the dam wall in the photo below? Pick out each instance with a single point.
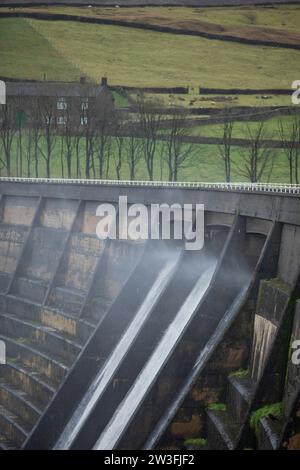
(206, 328)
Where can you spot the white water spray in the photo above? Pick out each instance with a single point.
(123, 415)
(101, 381)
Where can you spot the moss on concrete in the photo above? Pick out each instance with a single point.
(276, 283)
(217, 406)
(240, 373)
(275, 409)
(281, 285)
(195, 442)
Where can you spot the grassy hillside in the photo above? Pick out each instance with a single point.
(280, 24)
(285, 17)
(24, 53)
(30, 48)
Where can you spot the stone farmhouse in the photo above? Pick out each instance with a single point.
(59, 104)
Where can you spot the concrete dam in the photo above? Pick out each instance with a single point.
(142, 344)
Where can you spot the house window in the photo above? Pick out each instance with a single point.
(49, 119)
(83, 120)
(61, 103)
(84, 104)
(61, 120)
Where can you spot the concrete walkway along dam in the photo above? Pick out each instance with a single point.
(142, 344)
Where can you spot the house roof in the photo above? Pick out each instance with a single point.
(55, 89)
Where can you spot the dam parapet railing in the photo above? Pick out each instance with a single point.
(277, 188)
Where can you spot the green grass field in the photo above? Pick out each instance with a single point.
(195, 100)
(286, 17)
(64, 50)
(240, 128)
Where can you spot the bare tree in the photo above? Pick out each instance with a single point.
(258, 158)
(35, 125)
(62, 152)
(88, 126)
(133, 154)
(8, 131)
(104, 122)
(77, 145)
(103, 147)
(162, 158)
(297, 147)
(108, 157)
(69, 128)
(150, 122)
(177, 151)
(119, 156)
(29, 141)
(47, 113)
(225, 148)
(289, 133)
(20, 123)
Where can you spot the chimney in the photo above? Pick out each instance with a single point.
(104, 81)
(82, 80)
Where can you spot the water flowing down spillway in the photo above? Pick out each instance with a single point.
(117, 425)
(106, 373)
(144, 350)
(198, 366)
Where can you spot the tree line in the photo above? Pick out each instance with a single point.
(258, 158)
(93, 140)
